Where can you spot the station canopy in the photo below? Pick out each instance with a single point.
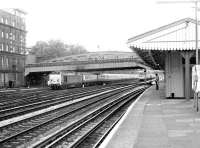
(152, 45)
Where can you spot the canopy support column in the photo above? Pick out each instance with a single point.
(187, 55)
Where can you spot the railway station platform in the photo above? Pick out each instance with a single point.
(156, 122)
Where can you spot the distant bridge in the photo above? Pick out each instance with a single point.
(87, 66)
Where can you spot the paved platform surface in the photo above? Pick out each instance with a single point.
(156, 122)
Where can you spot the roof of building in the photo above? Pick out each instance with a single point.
(179, 35)
(176, 36)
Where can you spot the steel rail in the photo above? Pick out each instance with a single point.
(112, 114)
(57, 137)
(29, 130)
(35, 96)
(24, 109)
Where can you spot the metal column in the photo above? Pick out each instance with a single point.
(187, 75)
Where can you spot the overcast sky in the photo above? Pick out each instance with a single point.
(98, 25)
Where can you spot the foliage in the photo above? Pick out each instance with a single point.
(54, 49)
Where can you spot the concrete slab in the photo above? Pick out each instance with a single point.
(157, 122)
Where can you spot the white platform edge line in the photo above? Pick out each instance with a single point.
(114, 130)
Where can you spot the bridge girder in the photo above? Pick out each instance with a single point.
(87, 67)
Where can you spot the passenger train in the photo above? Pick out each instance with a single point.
(62, 80)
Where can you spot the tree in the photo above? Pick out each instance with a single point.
(39, 48)
(76, 49)
(55, 48)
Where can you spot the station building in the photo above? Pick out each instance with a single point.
(12, 47)
(170, 47)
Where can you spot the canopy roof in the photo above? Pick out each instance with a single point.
(176, 36)
(179, 35)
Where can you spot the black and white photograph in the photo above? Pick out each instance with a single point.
(99, 74)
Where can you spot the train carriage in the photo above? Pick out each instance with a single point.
(68, 80)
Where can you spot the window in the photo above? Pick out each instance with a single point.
(22, 51)
(10, 35)
(65, 78)
(2, 61)
(2, 20)
(6, 62)
(11, 49)
(21, 38)
(18, 50)
(2, 34)
(14, 67)
(6, 47)
(6, 21)
(13, 23)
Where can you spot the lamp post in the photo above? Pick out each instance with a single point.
(196, 32)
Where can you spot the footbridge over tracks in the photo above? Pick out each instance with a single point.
(91, 62)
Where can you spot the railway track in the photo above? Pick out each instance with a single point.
(91, 131)
(45, 101)
(27, 131)
(22, 97)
